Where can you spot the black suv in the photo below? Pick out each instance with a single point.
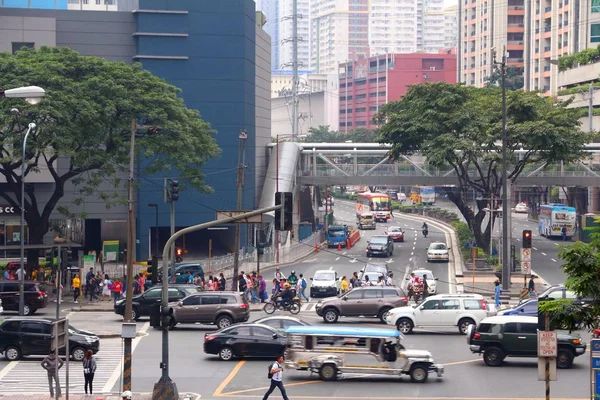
(516, 336)
(35, 297)
(33, 336)
(142, 303)
(380, 245)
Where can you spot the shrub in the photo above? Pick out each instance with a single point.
(584, 57)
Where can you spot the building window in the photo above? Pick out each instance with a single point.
(342, 111)
(373, 80)
(349, 124)
(360, 109)
(349, 111)
(361, 96)
(382, 93)
(16, 46)
(373, 94)
(360, 82)
(596, 6)
(361, 123)
(382, 79)
(373, 108)
(595, 33)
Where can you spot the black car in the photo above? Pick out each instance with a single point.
(380, 245)
(142, 303)
(245, 340)
(35, 296)
(32, 337)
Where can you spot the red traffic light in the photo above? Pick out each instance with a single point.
(527, 234)
(526, 239)
(179, 252)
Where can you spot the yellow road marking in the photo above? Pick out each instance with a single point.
(462, 362)
(229, 378)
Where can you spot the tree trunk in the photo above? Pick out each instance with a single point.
(37, 229)
(474, 221)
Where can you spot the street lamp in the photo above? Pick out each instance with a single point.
(22, 235)
(31, 94)
(154, 205)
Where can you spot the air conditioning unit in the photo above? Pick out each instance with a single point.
(432, 68)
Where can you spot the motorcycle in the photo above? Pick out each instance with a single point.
(415, 292)
(425, 233)
(275, 304)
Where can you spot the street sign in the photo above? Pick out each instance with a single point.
(526, 255)
(542, 369)
(547, 344)
(59, 333)
(597, 385)
(221, 215)
(595, 346)
(526, 267)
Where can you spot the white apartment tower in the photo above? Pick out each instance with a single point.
(451, 27)
(286, 34)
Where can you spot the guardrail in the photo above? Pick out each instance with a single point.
(354, 237)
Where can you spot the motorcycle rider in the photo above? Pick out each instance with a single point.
(278, 274)
(425, 229)
(293, 279)
(286, 295)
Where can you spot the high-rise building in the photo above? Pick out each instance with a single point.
(484, 25)
(93, 5)
(451, 27)
(368, 83)
(338, 33)
(270, 8)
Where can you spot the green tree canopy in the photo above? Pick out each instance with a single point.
(459, 128)
(86, 120)
(582, 267)
(513, 79)
(323, 133)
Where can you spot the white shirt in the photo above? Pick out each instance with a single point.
(19, 273)
(389, 282)
(278, 376)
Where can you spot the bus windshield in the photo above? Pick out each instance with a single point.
(380, 204)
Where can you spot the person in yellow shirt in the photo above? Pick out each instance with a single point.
(33, 274)
(76, 285)
(344, 285)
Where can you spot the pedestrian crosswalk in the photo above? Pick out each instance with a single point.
(28, 376)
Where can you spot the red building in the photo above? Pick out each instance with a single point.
(368, 83)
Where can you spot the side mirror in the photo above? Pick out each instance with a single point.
(311, 279)
(436, 279)
(449, 248)
(408, 279)
(345, 298)
(180, 304)
(275, 336)
(522, 310)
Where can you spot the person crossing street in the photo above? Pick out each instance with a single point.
(276, 376)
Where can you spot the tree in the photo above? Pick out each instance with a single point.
(324, 134)
(513, 78)
(458, 127)
(582, 267)
(84, 125)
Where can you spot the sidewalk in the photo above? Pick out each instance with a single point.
(102, 396)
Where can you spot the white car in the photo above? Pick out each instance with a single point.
(442, 310)
(430, 278)
(401, 197)
(325, 283)
(437, 251)
(521, 208)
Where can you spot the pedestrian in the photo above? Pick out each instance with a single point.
(88, 280)
(92, 289)
(52, 365)
(76, 286)
(136, 285)
(126, 395)
(190, 278)
(106, 288)
(564, 233)
(531, 286)
(344, 285)
(117, 288)
(389, 281)
(222, 282)
(355, 280)
(497, 293)
(262, 289)
(89, 369)
(302, 288)
(7, 274)
(425, 287)
(276, 376)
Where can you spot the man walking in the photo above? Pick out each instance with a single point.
(301, 288)
(425, 287)
(52, 365)
(276, 375)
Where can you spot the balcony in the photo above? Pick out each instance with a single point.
(517, 42)
(547, 9)
(547, 68)
(515, 25)
(547, 28)
(472, 65)
(472, 48)
(547, 48)
(515, 59)
(472, 33)
(516, 7)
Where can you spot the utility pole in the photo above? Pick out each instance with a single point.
(130, 250)
(505, 206)
(590, 96)
(243, 136)
(295, 81)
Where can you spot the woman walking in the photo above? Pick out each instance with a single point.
(76, 285)
(106, 288)
(89, 369)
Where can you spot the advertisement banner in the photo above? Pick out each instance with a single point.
(110, 249)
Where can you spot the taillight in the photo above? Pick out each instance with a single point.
(211, 337)
(244, 305)
(41, 294)
(405, 299)
(477, 336)
(483, 306)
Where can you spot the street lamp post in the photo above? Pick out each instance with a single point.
(31, 94)
(22, 233)
(155, 206)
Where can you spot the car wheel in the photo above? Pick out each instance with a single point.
(564, 359)
(330, 316)
(328, 372)
(419, 374)
(78, 353)
(493, 357)
(224, 321)
(226, 353)
(27, 310)
(12, 353)
(383, 313)
(405, 325)
(134, 314)
(463, 325)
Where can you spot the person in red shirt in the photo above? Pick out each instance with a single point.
(117, 288)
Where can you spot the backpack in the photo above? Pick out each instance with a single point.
(303, 283)
(269, 374)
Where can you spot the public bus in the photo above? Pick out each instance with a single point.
(422, 194)
(553, 217)
(377, 203)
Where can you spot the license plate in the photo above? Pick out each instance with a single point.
(322, 289)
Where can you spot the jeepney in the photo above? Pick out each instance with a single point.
(366, 221)
(333, 351)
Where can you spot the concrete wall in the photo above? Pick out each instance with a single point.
(263, 107)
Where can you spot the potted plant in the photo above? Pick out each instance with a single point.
(498, 272)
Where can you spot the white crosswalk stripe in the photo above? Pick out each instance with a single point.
(29, 377)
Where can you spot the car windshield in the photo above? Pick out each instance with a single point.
(379, 240)
(438, 246)
(548, 291)
(395, 229)
(339, 233)
(373, 276)
(324, 276)
(421, 273)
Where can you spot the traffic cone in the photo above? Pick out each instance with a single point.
(349, 244)
(339, 247)
(316, 248)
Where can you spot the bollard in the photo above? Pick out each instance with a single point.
(316, 248)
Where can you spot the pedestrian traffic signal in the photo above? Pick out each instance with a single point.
(283, 216)
(174, 190)
(526, 239)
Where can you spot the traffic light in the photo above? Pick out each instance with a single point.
(174, 190)
(65, 259)
(283, 216)
(49, 258)
(526, 239)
